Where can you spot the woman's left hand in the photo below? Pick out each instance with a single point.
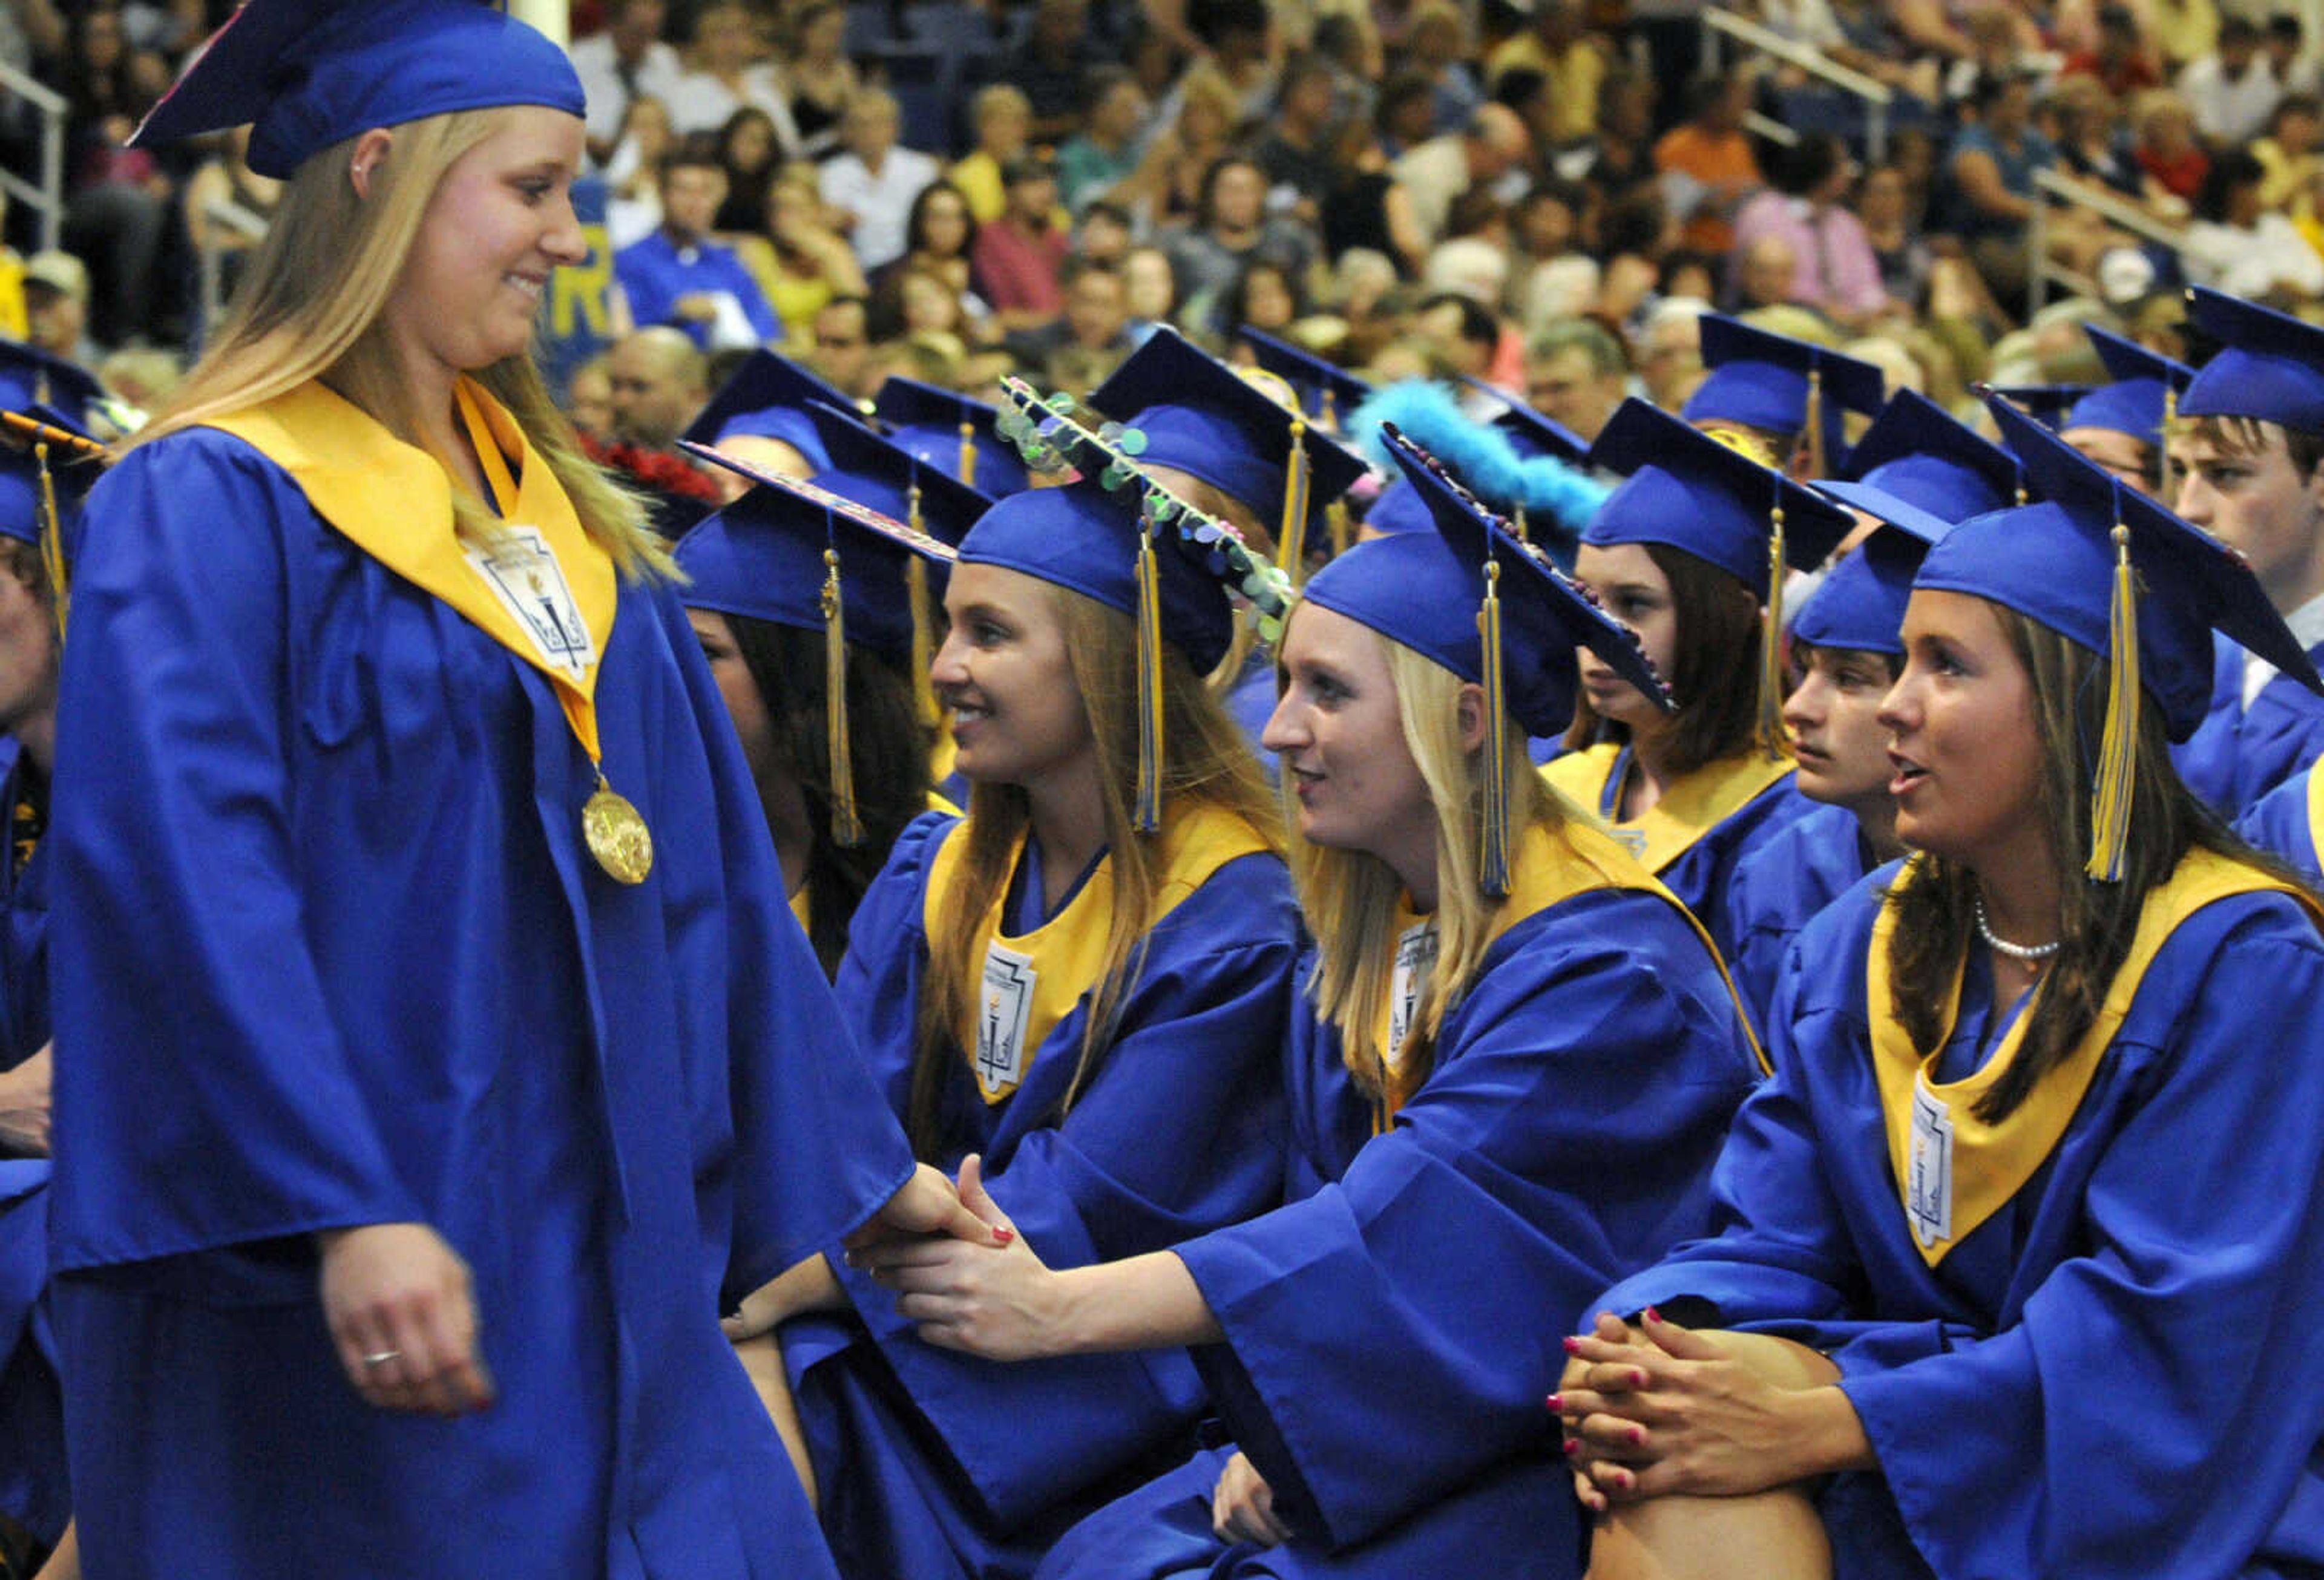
(927, 1204)
(1004, 1305)
(1667, 1411)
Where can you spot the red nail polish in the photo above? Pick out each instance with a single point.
(1006, 1236)
(1636, 1436)
(1572, 1444)
(1556, 1403)
(1573, 1344)
(1638, 1378)
(1653, 1315)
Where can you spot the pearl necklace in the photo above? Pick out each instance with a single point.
(2031, 953)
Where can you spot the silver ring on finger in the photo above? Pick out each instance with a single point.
(381, 1357)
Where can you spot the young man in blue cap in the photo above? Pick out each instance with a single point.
(2120, 425)
(2253, 454)
(1786, 396)
(760, 415)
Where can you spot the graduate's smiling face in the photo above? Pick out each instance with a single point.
(1339, 731)
(500, 221)
(1005, 672)
(1635, 591)
(1964, 744)
(1834, 717)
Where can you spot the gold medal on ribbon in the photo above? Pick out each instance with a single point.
(617, 835)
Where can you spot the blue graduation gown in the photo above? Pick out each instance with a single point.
(34, 1489)
(1778, 886)
(2238, 754)
(1250, 703)
(2120, 1372)
(1388, 1330)
(2283, 823)
(935, 1463)
(327, 951)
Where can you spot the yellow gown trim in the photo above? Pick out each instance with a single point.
(1691, 808)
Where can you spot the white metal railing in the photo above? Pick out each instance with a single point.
(1876, 96)
(46, 197)
(2051, 189)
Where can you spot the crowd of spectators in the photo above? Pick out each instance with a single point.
(1542, 194)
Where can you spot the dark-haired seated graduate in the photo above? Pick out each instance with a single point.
(35, 1497)
(1918, 473)
(2041, 1139)
(1083, 982)
(953, 432)
(1512, 1060)
(1786, 397)
(1234, 444)
(761, 416)
(839, 775)
(2250, 447)
(1680, 552)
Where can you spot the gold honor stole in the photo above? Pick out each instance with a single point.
(1551, 867)
(543, 589)
(1032, 981)
(1691, 808)
(1953, 1170)
(2316, 810)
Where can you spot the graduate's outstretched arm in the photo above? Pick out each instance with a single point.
(1009, 1306)
(402, 1314)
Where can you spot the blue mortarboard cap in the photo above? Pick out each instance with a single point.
(1918, 468)
(1860, 602)
(1527, 429)
(1423, 589)
(1327, 391)
(762, 557)
(21, 515)
(1204, 418)
(768, 398)
(1399, 509)
(927, 420)
(2047, 404)
(1084, 539)
(31, 377)
(879, 474)
(1689, 491)
(2139, 398)
(2054, 562)
(311, 73)
(1760, 380)
(2270, 366)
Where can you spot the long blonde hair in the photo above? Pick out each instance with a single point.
(1205, 760)
(1349, 897)
(309, 308)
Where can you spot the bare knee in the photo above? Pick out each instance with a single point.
(1767, 1536)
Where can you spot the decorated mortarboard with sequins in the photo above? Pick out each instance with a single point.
(1773, 383)
(768, 398)
(2270, 366)
(1228, 429)
(1530, 431)
(1918, 468)
(796, 554)
(2141, 399)
(1116, 535)
(876, 471)
(1327, 391)
(2112, 570)
(953, 431)
(1477, 598)
(313, 73)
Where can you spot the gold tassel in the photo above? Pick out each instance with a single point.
(53, 539)
(1149, 812)
(1771, 641)
(1815, 422)
(1493, 858)
(846, 826)
(1518, 524)
(1330, 414)
(2170, 421)
(924, 647)
(1335, 516)
(967, 451)
(2118, 745)
(1291, 539)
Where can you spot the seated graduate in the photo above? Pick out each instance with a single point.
(1681, 553)
(762, 415)
(1785, 397)
(2249, 445)
(1513, 1060)
(2119, 426)
(1234, 444)
(1918, 472)
(1085, 982)
(953, 432)
(2042, 1134)
(38, 512)
(779, 584)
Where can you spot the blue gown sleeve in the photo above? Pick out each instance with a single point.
(2192, 1306)
(2278, 823)
(184, 990)
(1391, 1336)
(1180, 1131)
